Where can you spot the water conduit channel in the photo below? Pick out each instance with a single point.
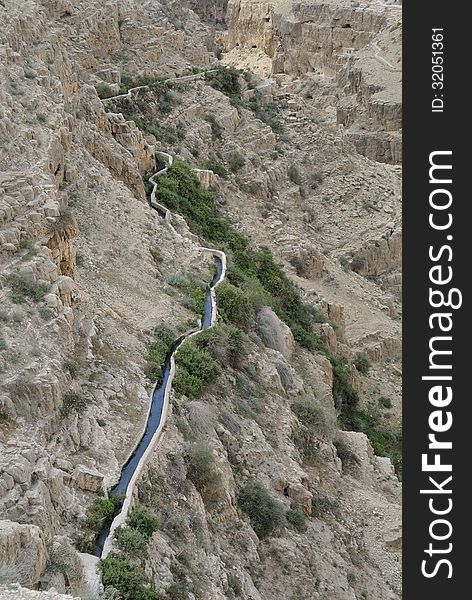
(159, 404)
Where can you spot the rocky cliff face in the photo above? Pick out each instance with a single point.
(359, 47)
(88, 270)
(211, 11)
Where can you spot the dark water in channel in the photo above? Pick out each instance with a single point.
(155, 413)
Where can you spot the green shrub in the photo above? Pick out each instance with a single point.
(312, 415)
(386, 441)
(300, 265)
(362, 363)
(143, 521)
(267, 113)
(345, 396)
(234, 584)
(73, 402)
(23, 289)
(3, 343)
(358, 264)
(297, 519)
(72, 366)
(165, 133)
(306, 440)
(322, 504)
(129, 580)
(131, 542)
(215, 165)
(102, 512)
(236, 162)
(203, 472)
(195, 369)
(104, 90)
(234, 306)
(225, 80)
(157, 255)
(265, 512)
(385, 402)
(195, 299)
(294, 175)
(164, 337)
(225, 344)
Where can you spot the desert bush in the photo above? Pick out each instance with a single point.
(296, 518)
(385, 440)
(73, 402)
(267, 113)
(23, 289)
(213, 164)
(300, 266)
(358, 263)
(3, 343)
(104, 90)
(224, 343)
(362, 363)
(234, 306)
(131, 542)
(202, 471)
(294, 175)
(125, 577)
(234, 584)
(195, 299)
(385, 402)
(225, 80)
(306, 440)
(313, 415)
(321, 504)
(63, 222)
(164, 337)
(102, 512)
(236, 162)
(345, 396)
(157, 255)
(72, 366)
(143, 521)
(264, 511)
(195, 369)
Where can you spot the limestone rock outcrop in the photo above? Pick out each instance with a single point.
(274, 332)
(23, 551)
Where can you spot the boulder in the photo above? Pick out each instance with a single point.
(87, 479)
(22, 551)
(274, 333)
